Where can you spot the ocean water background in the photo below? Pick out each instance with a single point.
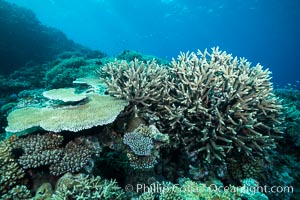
(263, 31)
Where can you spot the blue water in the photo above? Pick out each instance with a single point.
(264, 31)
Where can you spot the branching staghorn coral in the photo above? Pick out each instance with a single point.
(140, 83)
(218, 104)
(211, 102)
(87, 187)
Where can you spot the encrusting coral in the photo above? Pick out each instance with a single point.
(139, 144)
(144, 143)
(214, 104)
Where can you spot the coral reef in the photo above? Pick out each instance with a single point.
(285, 163)
(130, 55)
(36, 76)
(208, 117)
(291, 103)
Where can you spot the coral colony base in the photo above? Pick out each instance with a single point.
(147, 129)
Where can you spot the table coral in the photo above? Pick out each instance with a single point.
(98, 110)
